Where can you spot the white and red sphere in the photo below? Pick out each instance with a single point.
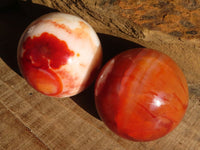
(59, 54)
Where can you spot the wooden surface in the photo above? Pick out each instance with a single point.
(29, 120)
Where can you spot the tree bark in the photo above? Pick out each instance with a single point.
(172, 27)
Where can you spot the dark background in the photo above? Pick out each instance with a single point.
(15, 16)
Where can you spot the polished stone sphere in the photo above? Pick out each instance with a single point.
(141, 94)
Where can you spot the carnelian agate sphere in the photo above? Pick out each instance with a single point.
(141, 94)
(59, 54)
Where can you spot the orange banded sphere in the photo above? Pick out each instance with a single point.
(141, 94)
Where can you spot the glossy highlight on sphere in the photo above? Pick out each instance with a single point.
(59, 54)
(141, 94)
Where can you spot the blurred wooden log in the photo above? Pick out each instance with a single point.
(169, 26)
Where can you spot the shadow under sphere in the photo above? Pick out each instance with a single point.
(111, 47)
